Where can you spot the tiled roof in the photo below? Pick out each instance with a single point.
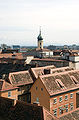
(74, 115)
(5, 86)
(61, 82)
(62, 69)
(47, 115)
(40, 70)
(11, 55)
(20, 78)
(23, 111)
(47, 59)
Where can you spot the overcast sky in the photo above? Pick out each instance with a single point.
(20, 21)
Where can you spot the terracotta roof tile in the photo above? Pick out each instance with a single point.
(20, 78)
(61, 82)
(23, 111)
(6, 86)
(10, 55)
(40, 70)
(73, 115)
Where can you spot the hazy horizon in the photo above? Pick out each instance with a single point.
(20, 21)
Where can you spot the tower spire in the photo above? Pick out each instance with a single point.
(40, 30)
(40, 39)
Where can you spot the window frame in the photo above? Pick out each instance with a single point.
(54, 102)
(71, 96)
(66, 108)
(9, 93)
(67, 97)
(71, 106)
(60, 110)
(55, 112)
(60, 98)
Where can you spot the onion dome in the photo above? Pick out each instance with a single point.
(39, 36)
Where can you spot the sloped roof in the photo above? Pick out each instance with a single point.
(61, 82)
(40, 70)
(47, 115)
(23, 111)
(10, 55)
(20, 78)
(74, 115)
(5, 86)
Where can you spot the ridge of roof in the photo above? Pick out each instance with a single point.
(54, 74)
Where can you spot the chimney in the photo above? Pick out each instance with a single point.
(47, 71)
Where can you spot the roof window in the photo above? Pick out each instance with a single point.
(74, 79)
(60, 84)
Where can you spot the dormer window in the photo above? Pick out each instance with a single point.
(74, 80)
(60, 84)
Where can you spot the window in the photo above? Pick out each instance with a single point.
(66, 97)
(66, 107)
(36, 88)
(9, 93)
(71, 106)
(60, 110)
(37, 99)
(41, 89)
(55, 100)
(71, 95)
(60, 99)
(55, 112)
(74, 79)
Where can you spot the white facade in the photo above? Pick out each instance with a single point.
(28, 59)
(74, 58)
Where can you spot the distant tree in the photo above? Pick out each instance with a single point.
(51, 47)
(3, 46)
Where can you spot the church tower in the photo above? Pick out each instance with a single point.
(40, 40)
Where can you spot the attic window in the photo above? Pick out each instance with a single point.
(74, 79)
(59, 83)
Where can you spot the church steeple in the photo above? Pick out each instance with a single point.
(40, 40)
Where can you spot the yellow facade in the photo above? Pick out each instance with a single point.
(40, 44)
(48, 102)
(39, 93)
(13, 94)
